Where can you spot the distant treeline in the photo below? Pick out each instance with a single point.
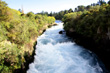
(59, 15)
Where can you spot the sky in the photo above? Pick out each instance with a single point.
(47, 5)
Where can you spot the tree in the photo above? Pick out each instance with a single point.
(109, 2)
(81, 8)
(30, 14)
(50, 14)
(88, 7)
(66, 11)
(101, 2)
(5, 12)
(70, 10)
(76, 9)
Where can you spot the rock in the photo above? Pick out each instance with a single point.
(60, 32)
(55, 24)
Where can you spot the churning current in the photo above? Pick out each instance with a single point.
(55, 53)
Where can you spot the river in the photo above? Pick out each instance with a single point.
(56, 53)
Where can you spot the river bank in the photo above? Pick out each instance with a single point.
(30, 57)
(91, 30)
(101, 49)
(18, 33)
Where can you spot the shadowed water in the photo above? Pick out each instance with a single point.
(55, 53)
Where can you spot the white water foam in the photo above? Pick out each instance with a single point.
(55, 53)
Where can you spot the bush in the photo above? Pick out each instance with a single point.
(10, 57)
(93, 23)
(17, 33)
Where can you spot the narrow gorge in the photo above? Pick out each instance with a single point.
(56, 53)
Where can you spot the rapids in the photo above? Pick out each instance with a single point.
(56, 53)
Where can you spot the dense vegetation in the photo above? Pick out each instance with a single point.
(57, 15)
(90, 23)
(60, 14)
(90, 28)
(18, 32)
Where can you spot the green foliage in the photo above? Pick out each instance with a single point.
(60, 14)
(92, 23)
(101, 2)
(69, 18)
(80, 8)
(10, 57)
(3, 31)
(17, 35)
(5, 12)
(109, 2)
(30, 14)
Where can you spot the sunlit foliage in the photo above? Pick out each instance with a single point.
(91, 23)
(18, 32)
